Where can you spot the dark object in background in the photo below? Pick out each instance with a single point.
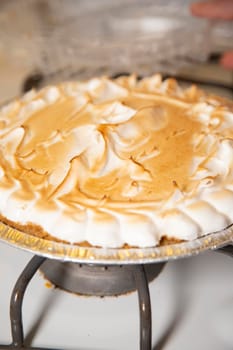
(33, 80)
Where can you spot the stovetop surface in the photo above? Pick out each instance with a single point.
(192, 307)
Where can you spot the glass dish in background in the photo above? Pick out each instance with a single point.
(85, 37)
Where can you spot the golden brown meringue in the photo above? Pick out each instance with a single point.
(114, 162)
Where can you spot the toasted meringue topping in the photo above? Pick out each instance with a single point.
(114, 162)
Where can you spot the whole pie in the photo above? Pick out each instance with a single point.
(116, 163)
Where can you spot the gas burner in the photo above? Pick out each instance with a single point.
(93, 279)
(97, 280)
(100, 280)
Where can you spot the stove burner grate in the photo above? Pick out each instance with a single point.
(140, 275)
(136, 276)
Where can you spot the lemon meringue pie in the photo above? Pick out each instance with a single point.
(117, 162)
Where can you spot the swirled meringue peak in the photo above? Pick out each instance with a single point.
(117, 162)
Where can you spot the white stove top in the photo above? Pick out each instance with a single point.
(192, 308)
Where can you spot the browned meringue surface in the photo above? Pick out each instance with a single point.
(117, 162)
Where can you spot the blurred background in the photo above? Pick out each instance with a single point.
(77, 39)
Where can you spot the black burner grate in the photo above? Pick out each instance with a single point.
(141, 282)
(138, 273)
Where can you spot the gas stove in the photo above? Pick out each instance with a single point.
(190, 296)
(187, 296)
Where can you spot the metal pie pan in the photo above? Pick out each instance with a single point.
(113, 256)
